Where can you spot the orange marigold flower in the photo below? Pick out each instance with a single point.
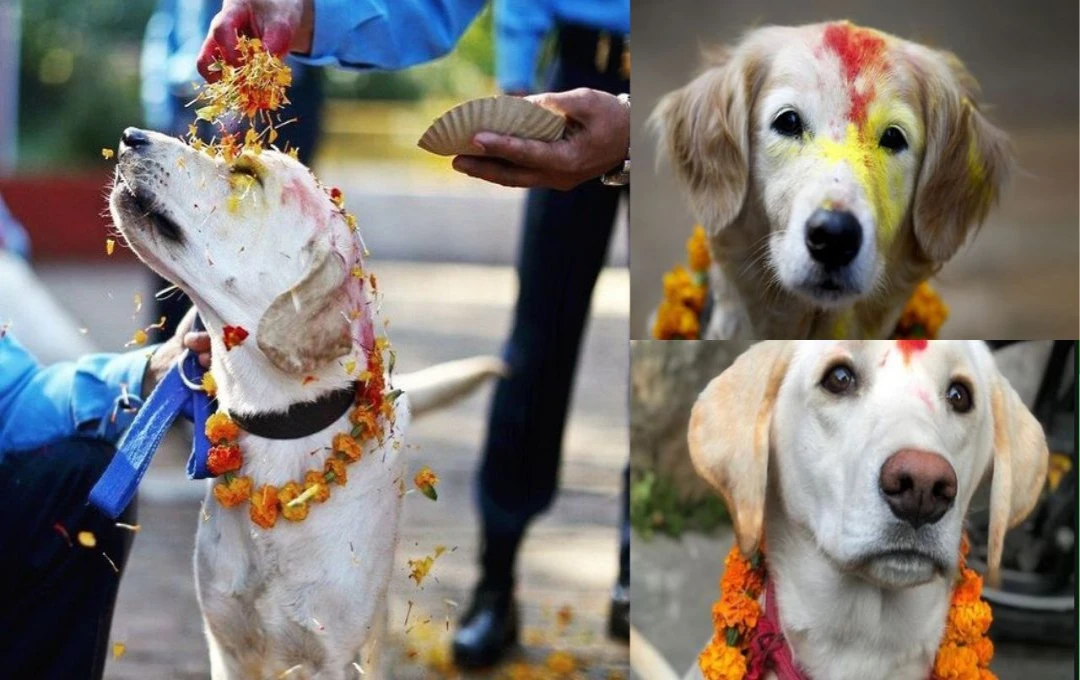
(264, 506)
(697, 249)
(923, 314)
(736, 610)
(366, 423)
(426, 480)
(955, 663)
(967, 622)
(969, 587)
(288, 493)
(224, 458)
(315, 478)
(233, 492)
(720, 662)
(336, 467)
(984, 651)
(343, 443)
(234, 336)
(220, 428)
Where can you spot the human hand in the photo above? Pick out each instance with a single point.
(282, 25)
(172, 349)
(597, 140)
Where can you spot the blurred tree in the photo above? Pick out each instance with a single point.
(79, 84)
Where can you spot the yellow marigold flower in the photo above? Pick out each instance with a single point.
(220, 428)
(264, 506)
(233, 492)
(315, 478)
(561, 662)
(720, 662)
(955, 663)
(923, 314)
(426, 480)
(680, 286)
(288, 493)
(336, 467)
(343, 443)
(209, 385)
(675, 321)
(697, 249)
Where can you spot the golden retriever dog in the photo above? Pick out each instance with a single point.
(835, 168)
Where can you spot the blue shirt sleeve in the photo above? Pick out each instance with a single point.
(387, 34)
(520, 28)
(94, 397)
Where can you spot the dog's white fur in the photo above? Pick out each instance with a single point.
(754, 188)
(280, 265)
(801, 466)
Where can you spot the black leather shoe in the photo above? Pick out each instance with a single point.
(487, 630)
(619, 615)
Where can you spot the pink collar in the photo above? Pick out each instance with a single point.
(768, 648)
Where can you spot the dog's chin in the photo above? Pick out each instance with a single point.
(145, 229)
(828, 290)
(895, 570)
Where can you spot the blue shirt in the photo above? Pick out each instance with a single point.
(12, 235)
(395, 34)
(522, 25)
(40, 405)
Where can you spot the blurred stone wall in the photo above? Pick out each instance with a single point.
(665, 380)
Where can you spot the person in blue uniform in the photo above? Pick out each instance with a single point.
(59, 425)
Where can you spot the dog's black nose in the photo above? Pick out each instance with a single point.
(918, 486)
(134, 137)
(833, 237)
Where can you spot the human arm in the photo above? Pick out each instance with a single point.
(520, 28)
(348, 33)
(94, 397)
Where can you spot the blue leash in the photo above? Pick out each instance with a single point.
(171, 398)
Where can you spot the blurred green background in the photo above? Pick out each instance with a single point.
(79, 84)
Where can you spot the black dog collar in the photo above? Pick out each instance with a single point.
(301, 419)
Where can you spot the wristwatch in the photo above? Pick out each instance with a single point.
(620, 175)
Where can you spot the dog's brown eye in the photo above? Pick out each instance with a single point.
(893, 140)
(839, 379)
(959, 397)
(789, 124)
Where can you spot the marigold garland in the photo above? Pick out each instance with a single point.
(965, 651)
(373, 408)
(678, 316)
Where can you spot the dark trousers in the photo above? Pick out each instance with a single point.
(56, 596)
(563, 248)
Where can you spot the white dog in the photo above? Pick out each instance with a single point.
(282, 263)
(834, 168)
(858, 461)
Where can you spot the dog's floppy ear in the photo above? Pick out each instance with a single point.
(966, 162)
(305, 327)
(704, 130)
(730, 432)
(1020, 461)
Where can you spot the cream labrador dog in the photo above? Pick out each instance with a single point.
(282, 263)
(857, 462)
(834, 168)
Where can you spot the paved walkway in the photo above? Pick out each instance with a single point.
(437, 312)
